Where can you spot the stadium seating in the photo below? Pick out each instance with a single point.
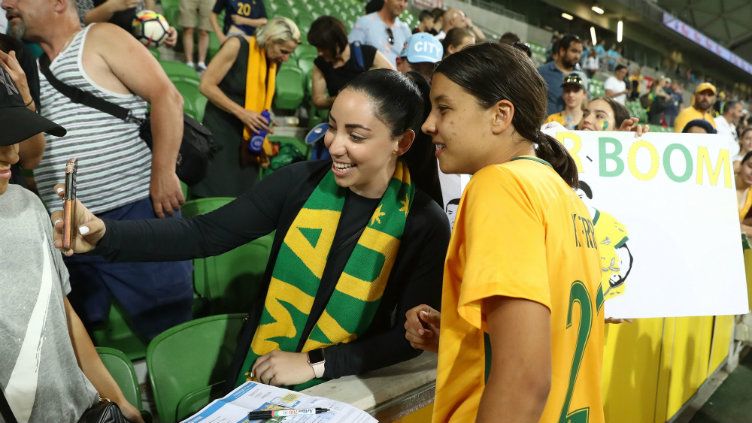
(121, 369)
(229, 282)
(171, 11)
(115, 333)
(186, 360)
(194, 102)
(178, 70)
(290, 87)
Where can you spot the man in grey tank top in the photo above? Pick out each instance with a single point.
(39, 367)
(118, 176)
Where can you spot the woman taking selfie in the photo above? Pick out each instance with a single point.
(356, 243)
(521, 282)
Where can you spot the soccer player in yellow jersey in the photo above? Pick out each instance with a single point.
(522, 269)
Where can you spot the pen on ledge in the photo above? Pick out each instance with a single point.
(270, 414)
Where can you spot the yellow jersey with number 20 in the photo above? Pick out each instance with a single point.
(522, 232)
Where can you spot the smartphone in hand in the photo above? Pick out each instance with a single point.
(69, 204)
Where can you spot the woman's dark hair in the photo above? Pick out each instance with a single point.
(477, 70)
(401, 102)
(397, 99)
(620, 112)
(328, 34)
(699, 123)
(455, 37)
(746, 157)
(421, 157)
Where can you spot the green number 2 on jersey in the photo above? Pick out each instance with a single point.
(580, 295)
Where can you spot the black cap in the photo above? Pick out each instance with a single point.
(573, 79)
(17, 122)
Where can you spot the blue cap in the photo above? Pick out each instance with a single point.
(423, 47)
(316, 133)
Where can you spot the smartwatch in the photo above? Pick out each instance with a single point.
(316, 360)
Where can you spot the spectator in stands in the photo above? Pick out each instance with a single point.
(675, 92)
(438, 19)
(605, 114)
(20, 61)
(575, 94)
(338, 62)
(509, 231)
(49, 368)
(553, 47)
(237, 86)
(700, 108)
(634, 82)
(457, 39)
(699, 126)
(241, 17)
(120, 178)
(569, 49)
(196, 14)
(744, 193)
(327, 216)
(421, 54)
(120, 13)
(726, 123)
(613, 55)
(591, 63)
(509, 38)
(658, 101)
(426, 23)
(615, 85)
(456, 18)
(745, 146)
(383, 30)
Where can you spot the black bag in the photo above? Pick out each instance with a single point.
(197, 146)
(105, 411)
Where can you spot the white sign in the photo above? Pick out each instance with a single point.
(665, 215)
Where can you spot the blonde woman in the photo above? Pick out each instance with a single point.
(239, 84)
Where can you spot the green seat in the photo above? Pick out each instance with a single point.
(214, 45)
(289, 92)
(175, 70)
(194, 102)
(229, 282)
(118, 335)
(306, 50)
(187, 359)
(121, 369)
(305, 63)
(171, 12)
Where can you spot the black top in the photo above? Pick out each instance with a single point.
(337, 78)
(272, 204)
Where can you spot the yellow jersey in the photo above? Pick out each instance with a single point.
(522, 232)
(690, 114)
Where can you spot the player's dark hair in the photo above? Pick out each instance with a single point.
(746, 157)
(328, 33)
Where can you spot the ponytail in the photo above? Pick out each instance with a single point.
(552, 151)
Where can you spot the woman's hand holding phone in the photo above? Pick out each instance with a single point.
(87, 228)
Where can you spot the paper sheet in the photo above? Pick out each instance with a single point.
(252, 396)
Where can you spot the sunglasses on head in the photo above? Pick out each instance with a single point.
(390, 36)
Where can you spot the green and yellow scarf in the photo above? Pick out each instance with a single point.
(300, 265)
